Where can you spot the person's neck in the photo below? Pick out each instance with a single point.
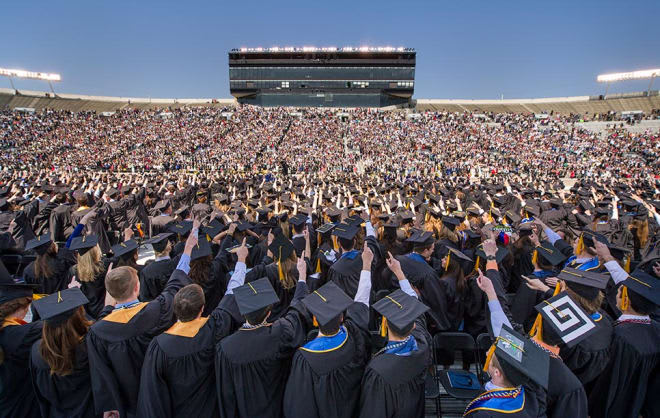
(631, 312)
(133, 298)
(396, 338)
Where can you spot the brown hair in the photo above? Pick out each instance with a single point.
(641, 231)
(200, 269)
(119, 282)
(42, 266)
(8, 308)
(60, 340)
(589, 305)
(188, 302)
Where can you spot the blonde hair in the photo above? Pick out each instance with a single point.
(89, 265)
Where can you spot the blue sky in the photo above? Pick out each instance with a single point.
(465, 49)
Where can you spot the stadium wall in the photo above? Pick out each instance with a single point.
(12, 99)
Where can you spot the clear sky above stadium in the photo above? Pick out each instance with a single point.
(470, 50)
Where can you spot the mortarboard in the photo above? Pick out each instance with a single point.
(182, 211)
(327, 302)
(162, 205)
(281, 248)
(345, 231)
(519, 358)
(84, 243)
(159, 242)
(512, 217)
(40, 244)
(112, 192)
(584, 283)
(58, 307)
(298, 220)
(531, 210)
(566, 318)
(450, 222)
(644, 285)
(255, 295)
(182, 228)
(421, 239)
(325, 228)
(213, 228)
(124, 247)
(499, 255)
(10, 290)
(243, 226)
(202, 249)
(400, 309)
(550, 254)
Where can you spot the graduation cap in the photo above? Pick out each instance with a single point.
(40, 244)
(345, 231)
(585, 283)
(532, 210)
(213, 228)
(519, 358)
(298, 220)
(421, 238)
(327, 302)
(182, 228)
(333, 213)
(162, 205)
(202, 249)
(79, 195)
(10, 290)
(84, 243)
(263, 212)
(159, 242)
(644, 285)
(407, 216)
(549, 253)
(602, 211)
(255, 295)
(473, 211)
(244, 226)
(400, 309)
(124, 247)
(281, 248)
(499, 255)
(112, 192)
(525, 229)
(325, 228)
(512, 217)
(58, 307)
(450, 222)
(470, 237)
(566, 318)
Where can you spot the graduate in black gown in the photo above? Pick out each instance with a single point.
(59, 364)
(154, 276)
(393, 382)
(326, 372)
(178, 375)
(117, 343)
(17, 397)
(630, 384)
(49, 270)
(252, 365)
(89, 272)
(325, 255)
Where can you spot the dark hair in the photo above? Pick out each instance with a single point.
(347, 244)
(200, 270)
(421, 248)
(43, 268)
(128, 260)
(258, 316)
(188, 302)
(332, 327)
(455, 270)
(60, 340)
(639, 303)
(399, 332)
(13, 306)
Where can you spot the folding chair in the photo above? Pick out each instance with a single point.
(456, 341)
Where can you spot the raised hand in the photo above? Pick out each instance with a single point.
(367, 257)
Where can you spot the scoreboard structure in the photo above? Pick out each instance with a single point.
(322, 77)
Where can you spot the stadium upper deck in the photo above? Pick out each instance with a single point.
(562, 105)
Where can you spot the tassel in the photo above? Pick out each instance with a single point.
(447, 262)
(490, 214)
(318, 265)
(504, 222)
(580, 245)
(489, 356)
(139, 229)
(315, 322)
(557, 289)
(625, 301)
(476, 265)
(427, 216)
(627, 266)
(279, 266)
(537, 328)
(334, 243)
(383, 327)
(535, 257)
(318, 239)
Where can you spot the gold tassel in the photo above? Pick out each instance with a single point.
(490, 214)
(580, 245)
(627, 266)
(315, 322)
(447, 262)
(318, 239)
(625, 301)
(476, 265)
(535, 257)
(279, 266)
(489, 356)
(334, 243)
(504, 222)
(318, 265)
(383, 327)
(537, 328)
(427, 216)
(557, 289)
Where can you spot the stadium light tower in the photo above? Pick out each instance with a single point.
(31, 75)
(632, 75)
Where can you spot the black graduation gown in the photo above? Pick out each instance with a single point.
(94, 291)
(252, 365)
(154, 277)
(565, 396)
(60, 265)
(60, 223)
(178, 375)
(628, 387)
(345, 272)
(160, 224)
(117, 344)
(67, 396)
(588, 358)
(327, 383)
(17, 397)
(393, 386)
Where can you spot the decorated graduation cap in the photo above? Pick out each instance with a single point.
(159, 242)
(59, 306)
(84, 243)
(202, 249)
(549, 254)
(585, 283)
(40, 244)
(345, 231)
(327, 302)
(124, 248)
(400, 310)
(325, 228)
(519, 358)
(182, 228)
(642, 284)
(255, 295)
(566, 319)
(421, 238)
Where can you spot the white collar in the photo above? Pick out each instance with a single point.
(297, 236)
(627, 317)
(165, 257)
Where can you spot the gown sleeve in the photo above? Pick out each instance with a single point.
(154, 399)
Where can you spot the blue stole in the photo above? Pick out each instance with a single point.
(542, 274)
(401, 348)
(325, 343)
(506, 401)
(417, 257)
(589, 265)
(350, 254)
